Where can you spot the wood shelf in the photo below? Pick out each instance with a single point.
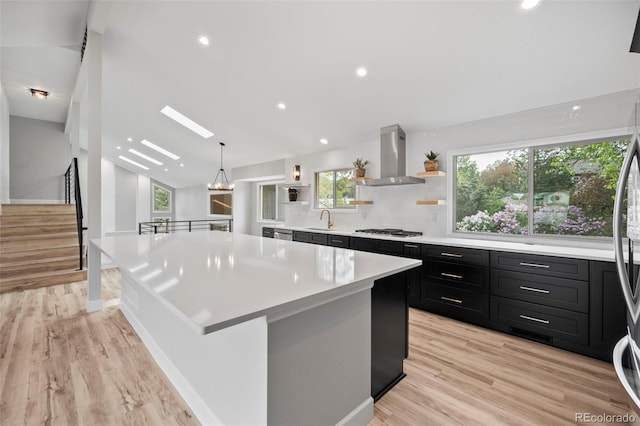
(360, 202)
(362, 179)
(293, 185)
(437, 173)
(430, 202)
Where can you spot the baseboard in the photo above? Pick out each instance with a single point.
(361, 415)
(193, 400)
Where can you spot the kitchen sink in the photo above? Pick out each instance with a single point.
(321, 229)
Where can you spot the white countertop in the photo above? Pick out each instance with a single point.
(217, 279)
(602, 252)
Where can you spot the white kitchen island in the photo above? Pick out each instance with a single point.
(255, 331)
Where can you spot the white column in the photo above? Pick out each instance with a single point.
(74, 136)
(94, 191)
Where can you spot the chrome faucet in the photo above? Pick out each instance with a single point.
(329, 223)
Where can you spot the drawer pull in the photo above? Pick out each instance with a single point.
(448, 299)
(451, 254)
(444, 274)
(534, 265)
(337, 241)
(534, 319)
(537, 290)
(410, 246)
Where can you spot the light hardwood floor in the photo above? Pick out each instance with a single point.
(62, 366)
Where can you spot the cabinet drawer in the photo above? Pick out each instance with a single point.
(301, 236)
(267, 232)
(456, 255)
(394, 248)
(338, 240)
(318, 238)
(547, 323)
(411, 250)
(548, 291)
(561, 267)
(364, 244)
(459, 276)
(462, 304)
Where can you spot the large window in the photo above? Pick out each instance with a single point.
(334, 189)
(271, 197)
(161, 199)
(558, 190)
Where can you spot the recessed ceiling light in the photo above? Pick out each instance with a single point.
(166, 170)
(323, 141)
(145, 156)
(203, 40)
(130, 139)
(118, 147)
(529, 4)
(186, 122)
(282, 105)
(40, 94)
(361, 71)
(128, 160)
(181, 165)
(159, 149)
(576, 107)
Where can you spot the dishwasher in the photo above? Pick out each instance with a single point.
(283, 234)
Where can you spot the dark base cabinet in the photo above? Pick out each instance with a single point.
(388, 332)
(608, 317)
(464, 305)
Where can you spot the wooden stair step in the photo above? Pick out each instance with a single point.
(27, 267)
(36, 209)
(37, 219)
(34, 253)
(28, 242)
(41, 279)
(37, 229)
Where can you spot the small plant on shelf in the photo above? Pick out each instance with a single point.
(360, 166)
(431, 163)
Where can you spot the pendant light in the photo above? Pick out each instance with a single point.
(221, 183)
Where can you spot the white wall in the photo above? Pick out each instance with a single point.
(40, 154)
(125, 200)
(4, 147)
(395, 206)
(143, 199)
(108, 204)
(191, 203)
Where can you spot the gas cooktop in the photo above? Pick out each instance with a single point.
(390, 231)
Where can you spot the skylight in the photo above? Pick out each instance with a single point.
(159, 149)
(186, 122)
(128, 160)
(145, 156)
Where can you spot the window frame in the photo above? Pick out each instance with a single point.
(349, 207)
(155, 185)
(531, 146)
(278, 185)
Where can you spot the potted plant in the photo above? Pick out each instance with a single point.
(360, 166)
(431, 163)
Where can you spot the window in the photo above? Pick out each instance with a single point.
(162, 223)
(334, 189)
(270, 197)
(551, 190)
(161, 199)
(220, 204)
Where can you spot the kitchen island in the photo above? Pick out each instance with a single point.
(253, 330)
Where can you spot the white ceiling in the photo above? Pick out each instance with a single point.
(431, 64)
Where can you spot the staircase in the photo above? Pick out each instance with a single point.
(38, 246)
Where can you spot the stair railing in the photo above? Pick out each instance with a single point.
(72, 194)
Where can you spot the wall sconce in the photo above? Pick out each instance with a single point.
(296, 172)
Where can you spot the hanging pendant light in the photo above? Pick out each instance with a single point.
(221, 183)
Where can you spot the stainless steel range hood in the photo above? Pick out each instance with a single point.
(392, 159)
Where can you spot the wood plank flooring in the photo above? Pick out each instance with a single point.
(62, 366)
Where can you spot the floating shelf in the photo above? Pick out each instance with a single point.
(430, 202)
(294, 185)
(437, 173)
(301, 203)
(359, 202)
(362, 179)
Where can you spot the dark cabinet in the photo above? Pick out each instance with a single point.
(470, 306)
(388, 332)
(301, 236)
(414, 276)
(607, 316)
(457, 275)
(338, 240)
(464, 256)
(560, 267)
(318, 238)
(267, 232)
(364, 244)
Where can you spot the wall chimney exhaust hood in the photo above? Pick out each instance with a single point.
(392, 159)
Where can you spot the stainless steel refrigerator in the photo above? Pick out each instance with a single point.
(626, 354)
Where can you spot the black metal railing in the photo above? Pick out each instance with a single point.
(169, 226)
(71, 196)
